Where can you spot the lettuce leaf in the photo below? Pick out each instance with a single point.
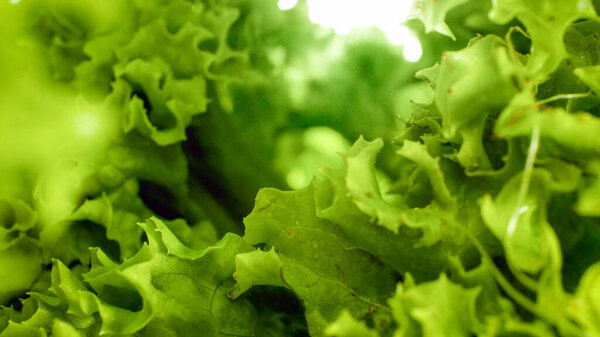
(136, 135)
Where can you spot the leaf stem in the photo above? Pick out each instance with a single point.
(521, 208)
(562, 96)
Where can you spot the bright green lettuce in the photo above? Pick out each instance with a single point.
(546, 23)
(312, 257)
(152, 293)
(433, 14)
(136, 134)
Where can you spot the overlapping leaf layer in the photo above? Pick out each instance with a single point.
(479, 217)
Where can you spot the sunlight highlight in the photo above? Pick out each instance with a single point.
(86, 124)
(285, 5)
(388, 15)
(412, 49)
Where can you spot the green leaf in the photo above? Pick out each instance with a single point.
(63, 329)
(16, 215)
(585, 307)
(523, 114)
(418, 154)
(546, 23)
(420, 226)
(590, 76)
(472, 84)
(20, 264)
(312, 257)
(165, 288)
(20, 256)
(117, 213)
(587, 204)
(170, 103)
(363, 186)
(430, 75)
(348, 326)
(155, 41)
(440, 308)
(581, 43)
(334, 203)
(517, 224)
(19, 330)
(433, 14)
(257, 267)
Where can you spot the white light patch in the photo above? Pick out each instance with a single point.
(398, 35)
(412, 49)
(343, 14)
(86, 123)
(388, 15)
(285, 5)
(14, 2)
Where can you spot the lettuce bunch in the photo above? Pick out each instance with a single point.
(136, 134)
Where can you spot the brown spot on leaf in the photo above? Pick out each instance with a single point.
(583, 118)
(514, 118)
(266, 206)
(515, 82)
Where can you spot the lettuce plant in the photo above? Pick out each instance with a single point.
(135, 135)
